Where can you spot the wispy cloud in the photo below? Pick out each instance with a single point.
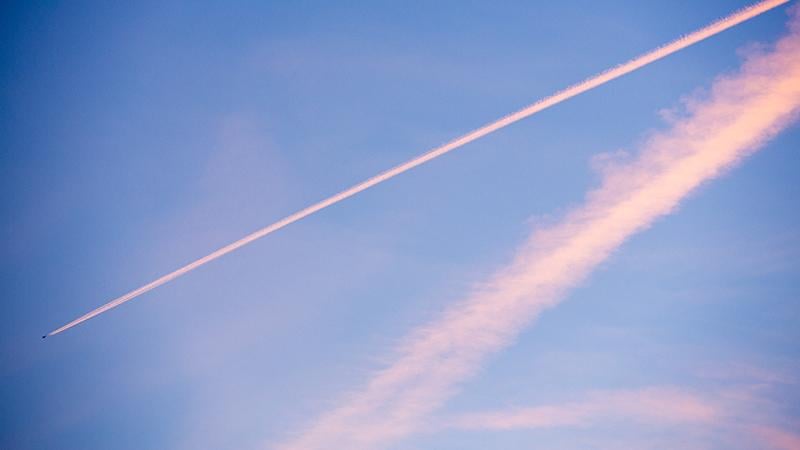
(650, 405)
(730, 411)
(545, 103)
(738, 116)
(777, 439)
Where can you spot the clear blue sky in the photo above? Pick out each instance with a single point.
(137, 137)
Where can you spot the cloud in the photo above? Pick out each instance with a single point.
(650, 405)
(739, 114)
(777, 439)
(737, 415)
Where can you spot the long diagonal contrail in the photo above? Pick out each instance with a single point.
(591, 83)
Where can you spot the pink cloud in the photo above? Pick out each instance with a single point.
(776, 438)
(650, 405)
(740, 114)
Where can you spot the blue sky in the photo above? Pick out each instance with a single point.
(136, 138)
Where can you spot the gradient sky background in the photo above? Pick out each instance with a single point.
(135, 138)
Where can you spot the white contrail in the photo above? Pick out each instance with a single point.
(739, 115)
(572, 91)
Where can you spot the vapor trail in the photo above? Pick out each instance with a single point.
(739, 115)
(591, 83)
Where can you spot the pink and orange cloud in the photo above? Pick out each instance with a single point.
(737, 117)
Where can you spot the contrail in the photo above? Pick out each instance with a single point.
(738, 116)
(591, 83)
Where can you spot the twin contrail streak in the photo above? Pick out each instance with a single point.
(591, 83)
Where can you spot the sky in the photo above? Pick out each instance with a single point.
(136, 138)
